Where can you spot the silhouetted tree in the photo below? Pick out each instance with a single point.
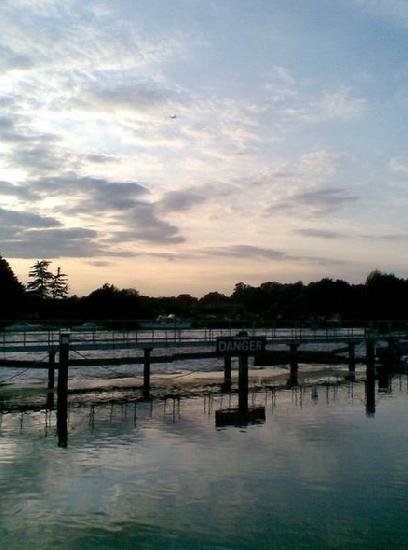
(327, 297)
(11, 291)
(59, 285)
(214, 302)
(41, 279)
(110, 302)
(386, 296)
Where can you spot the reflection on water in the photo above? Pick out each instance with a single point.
(327, 469)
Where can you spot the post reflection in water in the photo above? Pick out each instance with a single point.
(370, 392)
(243, 407)
(384, 381)
(249, 404)
(62, 423)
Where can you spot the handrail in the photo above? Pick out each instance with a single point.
(36, 341)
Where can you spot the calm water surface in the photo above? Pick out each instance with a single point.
(321, 472)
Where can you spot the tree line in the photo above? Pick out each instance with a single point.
(46, 296)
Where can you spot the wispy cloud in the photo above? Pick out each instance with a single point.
(320, 233)
(182, 200)
(340, 104)
(318, 202)
(243, 252)
(399, 165)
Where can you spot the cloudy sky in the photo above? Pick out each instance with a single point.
(185, 145)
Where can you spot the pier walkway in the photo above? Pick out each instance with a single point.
(103, 340)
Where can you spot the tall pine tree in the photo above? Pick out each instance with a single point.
(40, 279)
(59, 285)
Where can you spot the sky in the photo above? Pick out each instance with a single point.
(185, 146)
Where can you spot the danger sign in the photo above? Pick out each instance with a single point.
(235, 345)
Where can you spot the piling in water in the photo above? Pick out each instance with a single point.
(293, 364)
(146, 373)
(352, 356)
(370, 353)
(227, 372)
(51, 370)
(243, 383)
(62, 391)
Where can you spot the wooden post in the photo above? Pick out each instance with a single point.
(62, 392)
(370, 353)
(293, 363)
(146, 373)
(227, 372)
(51, 370)
(243, 383)
(352, 356)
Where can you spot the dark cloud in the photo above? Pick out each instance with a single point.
(11, 132)
(35, 152)
(39, 157)
(14, 190)
(71, 233)
(140, 219)
(69, 242)
(320, 233)
(145, 225)
(181, 200)
(319, 201)
(88, 194)
(22, 220)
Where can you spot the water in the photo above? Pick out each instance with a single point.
(323, 471)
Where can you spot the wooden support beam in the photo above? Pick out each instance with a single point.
(370, 353)
(51, 370)
(62, 391)
(352, 356)
(146, 373)
(293, 364)
(243, 383)
(227, 372)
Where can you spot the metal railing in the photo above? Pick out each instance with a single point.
(48, 339)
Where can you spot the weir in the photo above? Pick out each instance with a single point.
(244, 344)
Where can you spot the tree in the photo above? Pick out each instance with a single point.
(11, 291)
(110, 302)
(59, 285)
(41, 279)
